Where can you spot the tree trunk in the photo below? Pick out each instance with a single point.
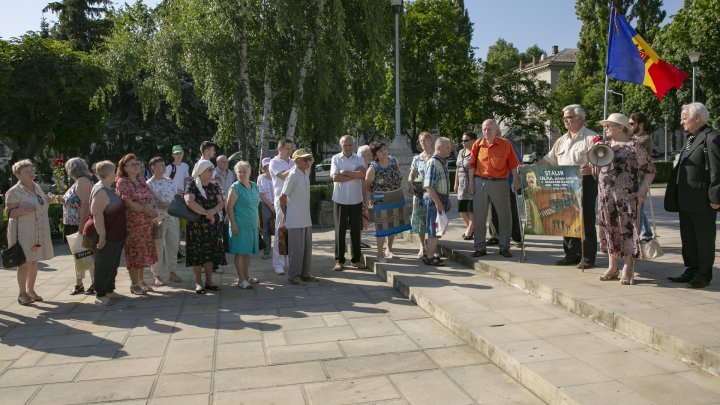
(413, 133)
(292, 120)
(238, 121)
(248, 134)
(267, 108)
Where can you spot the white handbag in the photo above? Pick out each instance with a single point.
(651, 249)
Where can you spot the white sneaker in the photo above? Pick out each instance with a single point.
(104, 301)
(279, 271)
(245, 285)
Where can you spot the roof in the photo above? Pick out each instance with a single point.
(564, 57)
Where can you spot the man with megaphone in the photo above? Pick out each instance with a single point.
(572, 149)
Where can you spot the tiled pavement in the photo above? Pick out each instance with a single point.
(348, 339)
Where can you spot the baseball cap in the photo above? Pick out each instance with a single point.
(301, 153)
(265, 161)
(177, 149)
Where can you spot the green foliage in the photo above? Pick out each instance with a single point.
(55, 214)
(82, 22)
(663, 171)
(320, 192)
(504, 55)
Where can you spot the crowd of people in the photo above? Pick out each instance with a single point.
(118, 209)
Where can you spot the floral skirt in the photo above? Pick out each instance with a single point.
(204, 244)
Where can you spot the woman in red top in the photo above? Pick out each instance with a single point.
(140, 251)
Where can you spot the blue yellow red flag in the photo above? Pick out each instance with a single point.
(631, 59)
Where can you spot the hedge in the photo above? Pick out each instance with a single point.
(663, 171)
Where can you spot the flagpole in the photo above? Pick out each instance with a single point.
(605, 111)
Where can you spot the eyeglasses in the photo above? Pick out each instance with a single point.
(307, 159)
(467, 140)
(569, 118)
(611, 125)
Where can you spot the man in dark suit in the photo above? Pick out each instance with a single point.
(697, 175)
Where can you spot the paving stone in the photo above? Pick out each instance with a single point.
(28, 359)
(120, 368)
(429, 387)
(456, 356)
(318, 335)
(18, 395)
(33, 375)
(335, 320)
(487, 384)
(303, 352)
(278, 396)
(286, 324)
(239, 332)
(378, 345)
(351, 391)
(241, 354)
(95, 391)
(567, 372)
(144, 346)
(79, 354)
(75, 340)
(374, 326)
(180, 400)
(268, 376)
(182, 384)
(189, 355)
(429, 333)
(656, 388)
(366, 366)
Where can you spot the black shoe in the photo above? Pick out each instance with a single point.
(79, 289)
(493, 242)
(90, 291)
(697, 283)
(586, 264)
(211, 287)
(479, 253)
(567, 261)
(683, 278)
(364, 246)
(505, 252)
(180, 257)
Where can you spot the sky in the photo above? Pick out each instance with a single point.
(521, 22)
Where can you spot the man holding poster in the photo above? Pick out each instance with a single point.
(572, 149)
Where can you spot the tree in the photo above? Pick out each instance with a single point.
(504, 55)
(82, 22)
(46, 94)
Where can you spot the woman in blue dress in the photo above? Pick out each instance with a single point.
(242, 210)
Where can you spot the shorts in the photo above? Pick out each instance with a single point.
(431, 213)
(465, 206)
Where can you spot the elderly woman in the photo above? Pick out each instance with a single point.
(108, 232)
(167, 238)
(76, 210)
(384, 181)
(462, 183)
(416, 177)
(204, 236)
(27, 208)
(623, 186)
(267, 196)
(242, 211)
(140, 251)
(367, 157)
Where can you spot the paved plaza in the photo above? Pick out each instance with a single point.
(495, 331)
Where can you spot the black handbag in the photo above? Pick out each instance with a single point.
(670, 202)
(14, 256)
(418, 189)
(178, 208)
(262, 245)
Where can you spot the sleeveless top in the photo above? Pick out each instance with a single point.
(114, 214)
(387, 178)
(72, 204)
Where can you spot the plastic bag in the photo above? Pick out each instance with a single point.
(84, 258)
(441, 223)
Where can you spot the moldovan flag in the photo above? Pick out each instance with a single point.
(630, 59)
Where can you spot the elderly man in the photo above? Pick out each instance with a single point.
(696, 178)
(222, 175)
(347, 171)
(295, 206)
(491, 161)
(436, 199)
(637, 123)
(280, 167)
(571, 150)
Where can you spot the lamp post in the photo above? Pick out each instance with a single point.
(694, 59)
(396, 8)
(666, 145)
(622, 100)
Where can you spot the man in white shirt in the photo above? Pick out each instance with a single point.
(280, 167)
(347, 171)
(222, 175)
(178, 170)
(572, 149)
(295, 205)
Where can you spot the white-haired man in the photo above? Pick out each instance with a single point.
(571, 149)
(347, 171)
(696, 180)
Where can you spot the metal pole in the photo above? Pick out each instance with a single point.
(397, 73)
(666, 145)
(693, 89)
(605, 101)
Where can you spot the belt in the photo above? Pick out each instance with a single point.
(492, 178)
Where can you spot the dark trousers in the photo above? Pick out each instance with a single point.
(515, 234)
(107, 261)
(697, 234)
(345, 215)
(571, 246)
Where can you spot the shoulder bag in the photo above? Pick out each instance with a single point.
(178, 208)
(14, 256)
(651, 249)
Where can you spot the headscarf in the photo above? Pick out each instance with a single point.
(199, 168)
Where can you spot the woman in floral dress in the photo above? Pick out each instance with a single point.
(383, 180)
(623, 186)
(204, 236)
(76, 210)
(140, 251)
(417, 175)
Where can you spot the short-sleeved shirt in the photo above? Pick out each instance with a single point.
(277, 165)
(347, 192)
(436, 175)
(646, 141)
(265, 187)
(569, 151)
(297, 190)
(164, 191)
(182, 172)
(226, 180)
(418, 163)
(495, 160)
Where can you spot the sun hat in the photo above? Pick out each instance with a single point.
(301, 153)
(177, 149)
(617, 118)
(265, 161)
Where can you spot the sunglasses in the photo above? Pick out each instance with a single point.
(41, 200)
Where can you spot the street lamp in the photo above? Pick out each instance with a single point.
(694, 59)
(622, 100)
(666, 145)
(397, 8)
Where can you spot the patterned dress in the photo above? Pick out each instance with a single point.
(417, 220)
(140, 248)
(389, 200)
(204, 240)
(463, 168)
(617, 209)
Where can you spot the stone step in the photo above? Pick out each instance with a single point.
(559, 357)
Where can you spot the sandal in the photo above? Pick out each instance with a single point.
(34, 296)
(211, 287)
(158, 282)
(175, 278)
(469, 237)
(611, 276)
(253, 280)
(435, 261)
(78, 289)
(25, 299)
(90, 290)
(627, 281)
(199, 290)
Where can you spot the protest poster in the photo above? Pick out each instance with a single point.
(552, 200)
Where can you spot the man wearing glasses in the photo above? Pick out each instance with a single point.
(571, 149)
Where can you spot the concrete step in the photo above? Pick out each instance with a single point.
(559, 357)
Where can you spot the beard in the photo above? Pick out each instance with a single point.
(636, 130)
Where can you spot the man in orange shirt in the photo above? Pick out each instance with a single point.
(492, 158)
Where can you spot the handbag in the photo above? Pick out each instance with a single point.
(178, 208)
(14, 256)
(671, 194)
(282, 241)
(262, 245)
(651, 249)
(83, 257)
(90, 237)
(418, 189)
(271, 225)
